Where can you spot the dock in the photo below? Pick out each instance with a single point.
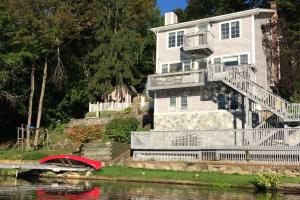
(54, 168)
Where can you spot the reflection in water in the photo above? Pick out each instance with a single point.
(50, 189)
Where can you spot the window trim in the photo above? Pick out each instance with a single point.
(169, 63)
(172, 108)
(234, 54)
(174, 31)
(187, 104)
(225, 22)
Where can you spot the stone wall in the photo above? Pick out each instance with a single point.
(215, 166)
(210, 120)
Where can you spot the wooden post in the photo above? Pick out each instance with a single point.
(101, 106)
(90, 107)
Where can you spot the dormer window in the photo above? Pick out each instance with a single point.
(175, 39)
(230, 30)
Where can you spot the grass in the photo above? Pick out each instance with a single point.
(32, 155)
(206, 178)
(106, 114)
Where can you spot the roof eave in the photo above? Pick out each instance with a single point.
(212, 19)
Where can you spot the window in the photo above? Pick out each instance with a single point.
(184, 104)
(176, 39)
(230, 30)
(217, 60)
(187, 66)
(235, 29)
(234, 101)
(164, 68)
(225, 31)
(202, 64)
(232, 60)
(180, 36)
(221, 101)
(176, 67)
(172, 104)
(244, 59)
(172, 40)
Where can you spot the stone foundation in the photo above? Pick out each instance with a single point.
(222, 167)
(209, 120)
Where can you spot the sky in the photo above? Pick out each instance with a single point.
(169, 5)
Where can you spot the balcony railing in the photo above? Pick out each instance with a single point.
(176, 80)
(198, 43)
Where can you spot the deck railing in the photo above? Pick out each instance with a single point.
(276, 138)
(197, 40)
(176, 80)
(255, 92)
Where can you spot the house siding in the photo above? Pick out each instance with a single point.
(260, 55)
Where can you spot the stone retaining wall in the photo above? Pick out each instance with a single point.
(222, 167)
(195, 121)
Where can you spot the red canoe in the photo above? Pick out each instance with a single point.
(72, 161)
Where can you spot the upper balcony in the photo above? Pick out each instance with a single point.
(176, 80)
(198, 43)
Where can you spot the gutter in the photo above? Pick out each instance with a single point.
(212, 19)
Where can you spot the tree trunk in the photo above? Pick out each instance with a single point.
(30, 109)
(39, 116)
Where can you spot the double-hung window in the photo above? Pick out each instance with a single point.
(184, 103)
(235, 29)
(172, 104)
(230, 30)
(164, 68)
(244, 59)
(180, 35)
(225, 31)
(187, 66)
(172, 40)
(175, 39)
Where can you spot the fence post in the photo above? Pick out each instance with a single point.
(101, 106)
(112, 105)
(97, 109)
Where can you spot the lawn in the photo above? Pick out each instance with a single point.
(31, 155)
(205, 178)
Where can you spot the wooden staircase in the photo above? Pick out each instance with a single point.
(244, 84)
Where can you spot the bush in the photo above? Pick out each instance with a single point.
(268, 181)
(127, 110)
(85, 133)
(119, 129)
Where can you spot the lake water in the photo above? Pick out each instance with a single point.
(51, 189)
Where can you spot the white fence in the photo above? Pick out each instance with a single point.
(108, 106)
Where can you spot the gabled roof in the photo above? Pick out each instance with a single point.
(218, 18)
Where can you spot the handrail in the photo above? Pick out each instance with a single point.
(257, 93)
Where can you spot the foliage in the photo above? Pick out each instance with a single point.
(119, 129)
(85, 133)
(127, 110)
(268, 181)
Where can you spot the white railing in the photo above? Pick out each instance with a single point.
(255, 156)
(258, 94)
(198, 40)
(277, 138)
(176, 79)
(114, 106)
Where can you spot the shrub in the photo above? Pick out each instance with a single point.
(85, 133)
(119, 129)
(127, 110)
(267, 181)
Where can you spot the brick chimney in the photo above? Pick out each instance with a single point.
(171, 18)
